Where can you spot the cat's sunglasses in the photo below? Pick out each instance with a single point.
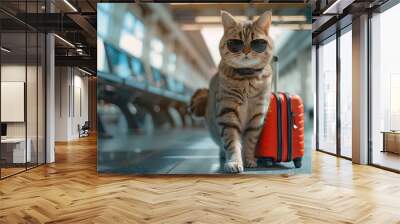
(236, 45)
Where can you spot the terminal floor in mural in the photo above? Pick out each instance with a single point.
(177, 151)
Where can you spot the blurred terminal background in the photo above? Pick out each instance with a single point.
(152, 57)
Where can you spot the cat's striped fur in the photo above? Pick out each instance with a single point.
(235, 105)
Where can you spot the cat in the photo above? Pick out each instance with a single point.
(235, 104)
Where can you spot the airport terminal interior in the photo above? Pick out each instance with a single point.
(161, 75)
(79, 105)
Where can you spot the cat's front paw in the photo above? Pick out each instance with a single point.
(233, 167)
(250, 163)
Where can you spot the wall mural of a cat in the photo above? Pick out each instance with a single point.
(235, 104)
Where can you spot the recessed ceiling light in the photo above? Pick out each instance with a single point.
(84, 71)
(188, 27)
(70, 5)
(217, 19)
(5, 50)
(214, 19)
(337, 7)
(64, 40)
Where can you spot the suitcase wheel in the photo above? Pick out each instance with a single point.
(297, 162)
(266, 161)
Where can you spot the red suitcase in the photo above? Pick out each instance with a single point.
(282, 137)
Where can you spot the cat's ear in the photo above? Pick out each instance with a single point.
(264, 21)
(227, 20)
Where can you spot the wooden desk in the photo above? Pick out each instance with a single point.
(391, 141)
(13, 150)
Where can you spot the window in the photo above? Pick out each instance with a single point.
(101, 56)
(327, 96)
(171, 68)
(156, 53)
(394, 102)
(106, 7)
(22, 98)
(132, 35)
(385, 89)
(328, 110)
(103, 18)
(346, 94)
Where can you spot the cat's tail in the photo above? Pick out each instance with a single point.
(198, 102)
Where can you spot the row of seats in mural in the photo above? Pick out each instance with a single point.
(147, 101)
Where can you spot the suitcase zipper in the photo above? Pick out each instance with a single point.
(289, 126)
(279, 118)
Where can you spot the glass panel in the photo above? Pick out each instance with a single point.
(327, 96)
(41, 100)
(23, 93)
(32, 91)
(13, 86)
(385, 86)
(139, 29)
(131, 38)
(157, 48)
(31, 98)
(103, 20)
(171, 63)
(131, 44)
(129, 21)
(346, 93)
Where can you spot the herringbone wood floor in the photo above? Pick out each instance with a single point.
(71, 191)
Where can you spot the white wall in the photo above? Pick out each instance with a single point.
(71, 102)
(80, 111)
(61, 103)
(13, 73)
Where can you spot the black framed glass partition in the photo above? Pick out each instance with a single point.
(385, 88)
(383, 75)
(22, 77)
(13, 104)
(326, 95)
(334, 94)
